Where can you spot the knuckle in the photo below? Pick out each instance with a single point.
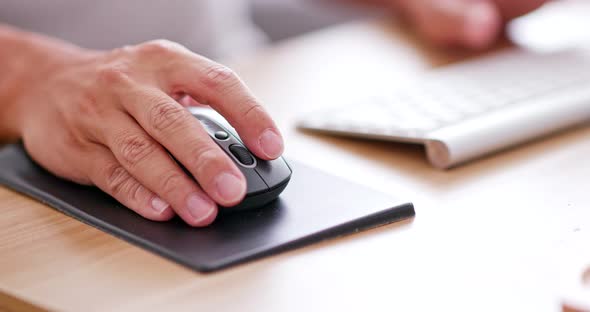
(87, 105)
(208, 158)
(123, 50)
(255, 111)
(113, 74)
(221, 78)
(74, 138)
(117, 179)
(121, 184)
(134, 190)
(135, 148)
(159, 47)
(86, 110)
(172, 182)
(165, 115)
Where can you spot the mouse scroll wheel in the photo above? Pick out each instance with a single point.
(242, 154)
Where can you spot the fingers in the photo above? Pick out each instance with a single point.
(180, 71)
(150, 95)
(472, 23)
(510, 9)
(223, 90)
(186, 100)
(182, 135)
(107, 174)
(148, 163)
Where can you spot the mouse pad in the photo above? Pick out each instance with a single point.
(314, 207)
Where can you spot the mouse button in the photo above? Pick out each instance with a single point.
(242, 154)
(210, 126)
(221, 135)
(274, 172)
(254, 182)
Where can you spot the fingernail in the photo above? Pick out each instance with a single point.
(480, 24)
(199, 207)
(230, 187)
(271, 143)
(159, 205)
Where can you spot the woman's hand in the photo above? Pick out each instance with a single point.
(110, 119)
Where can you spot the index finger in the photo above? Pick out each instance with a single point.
(225, 92)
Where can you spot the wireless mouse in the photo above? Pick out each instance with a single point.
(265, 179)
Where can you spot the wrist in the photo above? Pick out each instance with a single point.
(27, 59)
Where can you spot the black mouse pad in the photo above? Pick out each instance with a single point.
(314, 207)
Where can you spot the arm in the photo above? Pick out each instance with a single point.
(110, 118)
(24, 57)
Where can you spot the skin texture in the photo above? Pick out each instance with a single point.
(110, 118)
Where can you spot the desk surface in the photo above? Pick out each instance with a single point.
(493, 234)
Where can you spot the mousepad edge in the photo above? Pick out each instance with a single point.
(400, 211)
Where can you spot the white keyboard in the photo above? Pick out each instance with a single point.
(464, 111)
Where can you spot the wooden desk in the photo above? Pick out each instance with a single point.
(492, 235)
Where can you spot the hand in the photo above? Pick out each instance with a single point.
(110, 118)
(471, 23)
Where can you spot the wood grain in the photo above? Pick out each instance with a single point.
(491, 235)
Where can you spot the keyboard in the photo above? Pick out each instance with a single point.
(465, 111)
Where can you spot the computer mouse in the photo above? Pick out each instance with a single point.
(265, 179)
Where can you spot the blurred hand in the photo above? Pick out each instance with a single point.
(110, 119)
(471, 23)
